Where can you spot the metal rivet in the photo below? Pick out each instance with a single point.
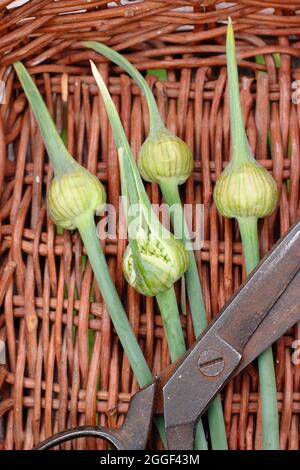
(211, 363)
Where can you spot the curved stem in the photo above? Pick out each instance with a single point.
(156, 122)
(267, 378)
(166, 300)
(62, 163)
(61, 159)
(124, 149)
(87, 228)
(171, 195)
(133, 189)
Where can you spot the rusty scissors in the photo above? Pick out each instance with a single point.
(265, 306)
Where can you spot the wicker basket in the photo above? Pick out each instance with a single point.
(53, 369)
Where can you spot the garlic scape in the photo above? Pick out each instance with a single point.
(247, 191)
(74, 197)
(167, 160)
(157, 265)
(152, 250)
(154, 260)
(245, 188)
(163, 155)
(146, 264)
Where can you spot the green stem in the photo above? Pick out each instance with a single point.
(171, 321)
(166, 300)
(240, 146)
(161, 427)
(171, 195)
(64, 117)
(154, 115)
(170, 317)
(124, 148)
(172, 326)
(249, 237)
(200, 442)
(169, 189)
(267, 378)
(64, 138)
(63, 163)
(64, 132)
(61, 159)
(87, 229)
(268, 391)
(133, 189)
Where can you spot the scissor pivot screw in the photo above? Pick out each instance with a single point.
(211, 363)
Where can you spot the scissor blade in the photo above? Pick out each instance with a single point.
(284, 314)
(240, 318)
(213, 359)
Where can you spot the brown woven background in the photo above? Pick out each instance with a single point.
(51, 379)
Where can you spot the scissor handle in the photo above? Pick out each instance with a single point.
(97, 432)
(133, 435)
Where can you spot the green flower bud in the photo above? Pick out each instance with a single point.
(163, 155)
(72, 195)
(163, 263)
(246, 190)
(74, 190)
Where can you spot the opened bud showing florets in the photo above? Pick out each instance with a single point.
(163, 262)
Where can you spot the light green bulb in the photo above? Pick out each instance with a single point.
(164, 155)
(72, 195)
(246, 190)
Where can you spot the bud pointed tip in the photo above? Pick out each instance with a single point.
(230, 32)
(92, 64)
(97, 76)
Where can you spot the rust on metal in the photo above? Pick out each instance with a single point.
(208, 365)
